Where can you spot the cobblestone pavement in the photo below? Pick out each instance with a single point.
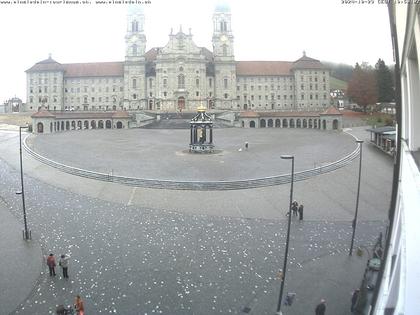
(138, 260)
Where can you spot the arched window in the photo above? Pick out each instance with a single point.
(134, 26)
(197, 82)
(223, 26)
(134, 48)
(225, 83)
(224, 48)
(181, 81)
(134, 83)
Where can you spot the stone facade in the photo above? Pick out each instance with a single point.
(330, 119)
(180, 76)
(45, 121)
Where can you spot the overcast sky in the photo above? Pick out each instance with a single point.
(263, 30)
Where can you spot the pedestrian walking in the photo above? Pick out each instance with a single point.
(295, 208)
(79, 306)
(300, 210)
(64, 263)
(246, 146)
(354, 299)
(321, 308)
(51, 264)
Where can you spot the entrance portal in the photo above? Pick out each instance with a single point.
(181, 103)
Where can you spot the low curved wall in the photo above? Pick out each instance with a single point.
(197, 185)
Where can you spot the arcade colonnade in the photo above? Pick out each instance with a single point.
(329, 120)
(45, 121)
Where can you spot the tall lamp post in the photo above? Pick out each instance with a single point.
(360, 142)
(27, 234)
(283, 278)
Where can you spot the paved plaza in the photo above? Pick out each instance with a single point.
(153, 251)
(163, 153)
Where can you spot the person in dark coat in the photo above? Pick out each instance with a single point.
(321, 308)
(354, 298)
(300, 210)
(295, 208)
(51, 264)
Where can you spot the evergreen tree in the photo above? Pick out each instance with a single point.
(362, 87)
(384, 81)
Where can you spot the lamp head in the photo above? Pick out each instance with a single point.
(287, 157)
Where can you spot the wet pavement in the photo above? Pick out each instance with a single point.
(133, 259)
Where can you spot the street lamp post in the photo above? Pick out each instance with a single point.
(283, 278)
(360, 142)
(27, 235)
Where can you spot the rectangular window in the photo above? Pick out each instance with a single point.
(226, 95)
(252, 88)
(225, 84)
(197, 93)
(245, 87)
(85, 89)
(114, 88)
(93, 89)
(55, 80)
(93, 99)
(78, 90)
(45, 89)
(55, 89)
(210, 82)
(100, 99)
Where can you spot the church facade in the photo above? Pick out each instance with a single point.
(180, 76)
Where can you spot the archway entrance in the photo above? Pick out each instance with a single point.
(335, 124)
(40, 127)
(119, 125)
(181, 103)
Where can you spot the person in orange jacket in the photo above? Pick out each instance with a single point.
(78, 305)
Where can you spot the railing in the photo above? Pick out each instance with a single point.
(197, 185)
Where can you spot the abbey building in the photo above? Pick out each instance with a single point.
(180, 76)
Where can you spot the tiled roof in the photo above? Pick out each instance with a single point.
(382, 129)
(263, 67)
(151, 54)
(251, 114)
(95, 69)
(43, 113)
(46, 65)
(91, 115)
(331, 111)
(308, 63)
(121, 114)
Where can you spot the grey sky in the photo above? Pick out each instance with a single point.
(263, 30)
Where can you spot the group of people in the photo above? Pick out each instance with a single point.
(78, 306)
(63, 262)
(297, 209)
